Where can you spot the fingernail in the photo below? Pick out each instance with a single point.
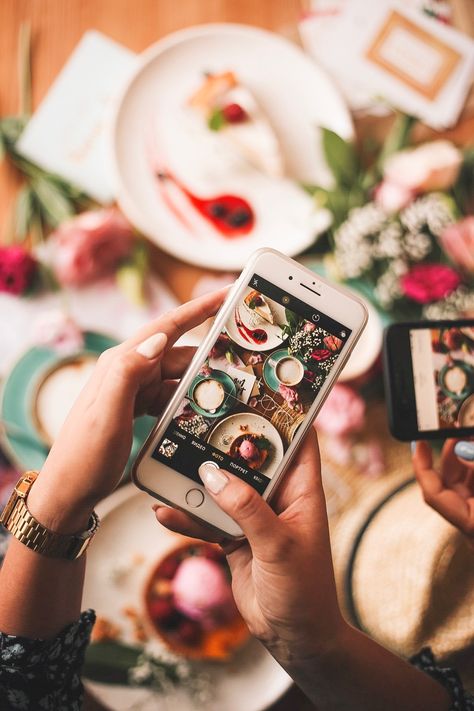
(153, 346)
(155, 507)
(413, 447)
(213, 479)
(465, 450)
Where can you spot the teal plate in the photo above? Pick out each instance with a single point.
(269, 370)
(20, 436)
(229, 390)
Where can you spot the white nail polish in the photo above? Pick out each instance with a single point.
(213, 479)
(153, 346)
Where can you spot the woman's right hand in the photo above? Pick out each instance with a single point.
(449, 490)
(282, 575)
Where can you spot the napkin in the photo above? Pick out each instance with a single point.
(70, 132)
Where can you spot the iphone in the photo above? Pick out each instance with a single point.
(254, 387)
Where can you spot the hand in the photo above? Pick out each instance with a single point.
(282, 575)
(449, 491)
(88, 457)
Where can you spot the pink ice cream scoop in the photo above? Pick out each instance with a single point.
(248, 450)
(201, 590)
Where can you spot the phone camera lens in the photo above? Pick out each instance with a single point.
(285, 299)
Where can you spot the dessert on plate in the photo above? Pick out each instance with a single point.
(256, 303)
(189, 602)
(252, 449)
(229, 107)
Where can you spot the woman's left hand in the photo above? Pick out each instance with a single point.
(89, 456)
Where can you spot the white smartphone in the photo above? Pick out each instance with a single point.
(254, 387)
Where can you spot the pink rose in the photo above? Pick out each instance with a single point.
(342, 413)
(308, 327)
(17, 269)
(458, 243)
(425, 283)
(290, 395)
(205, 370)
(58, 331)
(320, 354)
(255, 359)
(333, 343)
(90, 246)
(431, 166)
(392, 197)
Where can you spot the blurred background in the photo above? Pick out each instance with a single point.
(149, 147)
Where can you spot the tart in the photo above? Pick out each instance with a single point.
(251, 449)
(231, 109)
(189, 602)
(257, 303)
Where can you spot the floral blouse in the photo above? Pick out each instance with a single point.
(45, 675)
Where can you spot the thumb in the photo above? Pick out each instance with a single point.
(128, 369)
(245, 506)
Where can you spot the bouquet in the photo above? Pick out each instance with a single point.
(403, 224)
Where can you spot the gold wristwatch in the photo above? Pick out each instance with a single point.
(20, 523)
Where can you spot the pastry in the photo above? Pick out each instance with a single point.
(230, 108)
(257, 303)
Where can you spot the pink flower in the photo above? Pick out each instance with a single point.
(431, 166)
(255, 358)
(308, 327)
(425, 283)
(342, 413)
(458, 243)
(17, 269)
(333, 343)
(320, 354)
(290, 395)
(58, 331)
(90, 246)
(392, 197)
(204, 370)
(221, 346)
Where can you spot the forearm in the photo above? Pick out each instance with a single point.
(39, 596)
(358, 673)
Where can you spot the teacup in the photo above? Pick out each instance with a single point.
(209, 394)
(289, 371)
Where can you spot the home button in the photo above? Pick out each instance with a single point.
(194, 498)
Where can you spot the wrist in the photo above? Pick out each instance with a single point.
(58, 509)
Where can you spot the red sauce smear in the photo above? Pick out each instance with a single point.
(256, 335)
(231, 215)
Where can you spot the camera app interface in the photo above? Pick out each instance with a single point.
(253, 390)
(443, 371)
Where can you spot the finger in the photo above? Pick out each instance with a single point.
(246, 507)
(178, 321)
(176, 360)
(452, 469)
(180, 522)
(156, 402)
(465, 451)
(303, 479)
(427, 477)
(127, 371)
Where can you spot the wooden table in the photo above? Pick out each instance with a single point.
(57, 26)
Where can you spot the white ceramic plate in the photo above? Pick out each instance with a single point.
(252, 681)
(151, 130)
(273, 331)
(229, 428)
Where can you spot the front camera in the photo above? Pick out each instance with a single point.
(290, 278)
(285, 299)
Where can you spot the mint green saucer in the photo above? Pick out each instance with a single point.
(20, 435)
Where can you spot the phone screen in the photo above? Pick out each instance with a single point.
(254, 388)
(443, 373)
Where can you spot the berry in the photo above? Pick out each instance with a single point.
(234, 113)
(160, 609)
(168, 568)
(217, 209)
(239, 218)
(189, 632)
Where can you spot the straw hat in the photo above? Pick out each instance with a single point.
(406, 576)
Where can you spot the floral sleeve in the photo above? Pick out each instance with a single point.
(461, 700)
(44, 675)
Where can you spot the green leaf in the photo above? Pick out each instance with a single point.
(216, 120)
(397, 139)
(55, 206)
(341, 157)
(24, 212)
(109, 662)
